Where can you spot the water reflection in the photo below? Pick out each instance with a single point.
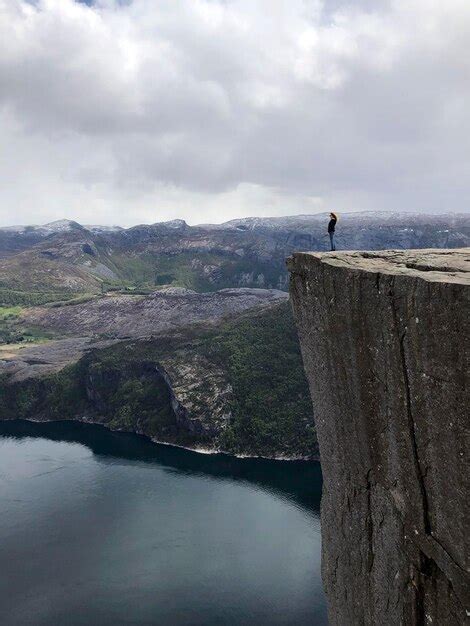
(107, 528)
(300, 481)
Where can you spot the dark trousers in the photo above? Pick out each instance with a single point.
(332, 241)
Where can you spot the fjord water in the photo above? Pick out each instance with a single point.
(108, 528)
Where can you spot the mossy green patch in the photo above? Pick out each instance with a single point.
(12, 298)
(272, 408)
(14, 331)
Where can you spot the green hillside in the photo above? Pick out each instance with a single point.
(256, 356)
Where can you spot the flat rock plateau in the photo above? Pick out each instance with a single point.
(164, 310)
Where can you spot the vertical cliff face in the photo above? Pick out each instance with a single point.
(385, 343)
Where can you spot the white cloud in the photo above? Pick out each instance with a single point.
(208, 109)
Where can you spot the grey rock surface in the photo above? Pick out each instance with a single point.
(43, 359)
(385, 343)
(167, 309)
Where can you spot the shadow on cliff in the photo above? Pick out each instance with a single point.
(299, 481)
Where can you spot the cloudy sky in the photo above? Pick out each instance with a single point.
(129, 111)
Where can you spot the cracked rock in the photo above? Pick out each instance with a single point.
(385, 343)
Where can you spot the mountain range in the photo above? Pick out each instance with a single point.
(66, 256)
(181, 333)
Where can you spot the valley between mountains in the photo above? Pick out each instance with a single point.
(181, 333)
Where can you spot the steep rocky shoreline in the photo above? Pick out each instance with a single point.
(385, 343)
(234, 385)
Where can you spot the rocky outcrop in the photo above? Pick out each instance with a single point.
(164, 310)
(385, 343)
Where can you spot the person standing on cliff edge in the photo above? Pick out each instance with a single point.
(331, 230)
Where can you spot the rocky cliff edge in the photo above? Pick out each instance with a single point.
(385, 343)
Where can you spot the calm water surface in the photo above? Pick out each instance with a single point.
(108, 528)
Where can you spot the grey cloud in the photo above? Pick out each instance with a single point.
(121, 106)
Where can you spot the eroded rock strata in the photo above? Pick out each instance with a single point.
(385, 344)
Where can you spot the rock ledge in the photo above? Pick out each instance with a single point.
(385, 343)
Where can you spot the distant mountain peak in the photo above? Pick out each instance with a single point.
(175, 223)
(58, 226)
(99, 228)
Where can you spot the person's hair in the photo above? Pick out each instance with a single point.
(334, 215)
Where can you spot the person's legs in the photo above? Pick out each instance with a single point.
(332, 241)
